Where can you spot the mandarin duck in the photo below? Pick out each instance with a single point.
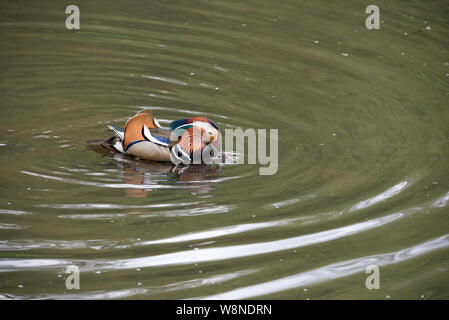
(144, 138)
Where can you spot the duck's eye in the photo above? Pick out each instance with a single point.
(179, 154)
(210, 133)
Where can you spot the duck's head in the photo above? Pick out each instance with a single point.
(192, 139)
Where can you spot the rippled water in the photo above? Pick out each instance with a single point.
(363, 172)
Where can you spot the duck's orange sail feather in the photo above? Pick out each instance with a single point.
(133, 127)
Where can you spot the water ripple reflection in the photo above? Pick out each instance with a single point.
(333, 271)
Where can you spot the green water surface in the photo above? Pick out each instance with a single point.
(363, 176)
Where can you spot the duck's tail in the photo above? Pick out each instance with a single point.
(113, 144)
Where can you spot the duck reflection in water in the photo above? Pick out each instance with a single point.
(198, 178)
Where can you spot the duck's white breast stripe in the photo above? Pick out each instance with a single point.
(149, 137)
